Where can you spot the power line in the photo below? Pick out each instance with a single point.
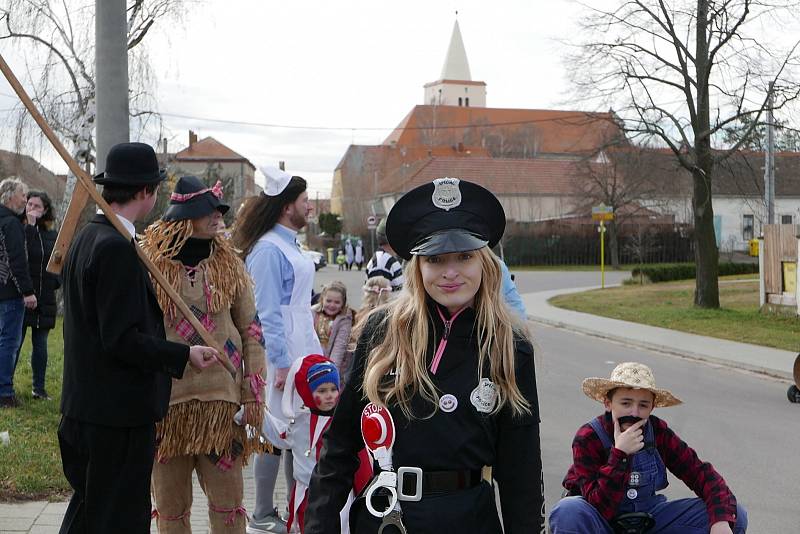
(583, 115)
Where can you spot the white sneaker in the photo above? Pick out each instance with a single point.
(270, 524)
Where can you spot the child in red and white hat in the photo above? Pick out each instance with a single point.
(308, 402)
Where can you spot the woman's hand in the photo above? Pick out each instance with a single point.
(33, 215)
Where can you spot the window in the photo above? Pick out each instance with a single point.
(748, 225)
(467, 100)
(459, 101)
(786, 219)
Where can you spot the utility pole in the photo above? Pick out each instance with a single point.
(111, 66)
(769, 164)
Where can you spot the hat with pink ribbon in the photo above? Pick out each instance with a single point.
(192, 199)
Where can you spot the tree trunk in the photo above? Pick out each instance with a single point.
(613, 244)
(706, 254)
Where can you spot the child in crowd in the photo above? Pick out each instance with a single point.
(310, 395)
(333, 320)
(621, 460)
(377, 291)
(340, 260)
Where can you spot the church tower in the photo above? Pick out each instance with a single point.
(455, 86)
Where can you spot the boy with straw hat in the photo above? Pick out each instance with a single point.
(620, 461)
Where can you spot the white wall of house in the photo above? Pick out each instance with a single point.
(737, 219)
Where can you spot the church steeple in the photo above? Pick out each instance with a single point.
(455, 86)
(456, 66)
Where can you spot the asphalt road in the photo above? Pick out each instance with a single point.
(740, 422)
(527, 281)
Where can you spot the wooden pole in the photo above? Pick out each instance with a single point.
(86, 184)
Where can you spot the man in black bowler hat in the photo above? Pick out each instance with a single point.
(118, 366)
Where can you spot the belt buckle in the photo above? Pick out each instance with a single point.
(401, 485)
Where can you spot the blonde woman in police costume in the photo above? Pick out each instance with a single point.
(456, 371)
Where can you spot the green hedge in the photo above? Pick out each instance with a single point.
(686, 271)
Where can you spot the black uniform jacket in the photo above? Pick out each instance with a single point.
(117, 364)
(40, 242)
(464, 439)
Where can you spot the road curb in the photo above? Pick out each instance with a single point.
(774, 373)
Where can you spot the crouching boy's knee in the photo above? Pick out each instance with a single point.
(575, 515)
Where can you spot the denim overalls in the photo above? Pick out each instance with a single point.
(648, 473)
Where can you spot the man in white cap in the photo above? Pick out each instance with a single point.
(620, 462)
(266, 231)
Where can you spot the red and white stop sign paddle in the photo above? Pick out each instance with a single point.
(377, 429)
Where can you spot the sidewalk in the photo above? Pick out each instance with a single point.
(39, 517)
(766, 360)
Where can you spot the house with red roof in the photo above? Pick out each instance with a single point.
(527, 157)
(535, 161)
(211, 160)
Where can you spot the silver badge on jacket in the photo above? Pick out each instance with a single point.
(484, 397)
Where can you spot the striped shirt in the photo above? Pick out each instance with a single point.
(384, 264)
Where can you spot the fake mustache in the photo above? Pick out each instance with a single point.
(628, 419)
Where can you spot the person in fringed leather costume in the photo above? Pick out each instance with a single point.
(199, 432)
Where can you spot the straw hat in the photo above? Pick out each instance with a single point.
(629, 375)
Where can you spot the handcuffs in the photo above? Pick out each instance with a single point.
(377, 429)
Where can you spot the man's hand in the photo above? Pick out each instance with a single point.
(280, 377)
(201, 357)
(253, 413)
(721, 527)
(30, 302)
(632, 440)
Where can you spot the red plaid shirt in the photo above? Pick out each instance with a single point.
(601, 477)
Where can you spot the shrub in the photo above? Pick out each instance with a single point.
(686, 271)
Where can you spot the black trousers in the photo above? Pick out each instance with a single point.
(109, 469)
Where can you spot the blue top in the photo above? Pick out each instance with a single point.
(509, 290)
(273, 275)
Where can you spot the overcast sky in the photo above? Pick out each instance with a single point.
(353, 68)
(325, 74)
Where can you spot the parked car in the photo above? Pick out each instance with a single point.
(317, 257)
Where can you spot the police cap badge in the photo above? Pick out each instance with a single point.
(443, 216)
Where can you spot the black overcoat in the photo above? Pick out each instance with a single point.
(40, 242)
(117, 364)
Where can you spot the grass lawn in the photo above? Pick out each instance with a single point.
(30, 466)
(669, 305)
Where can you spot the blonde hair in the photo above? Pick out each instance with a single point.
(405, 338)
(340, 288)
(377, 290)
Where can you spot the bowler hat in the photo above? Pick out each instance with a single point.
(193, 199)
(443, 216)
(131, 164)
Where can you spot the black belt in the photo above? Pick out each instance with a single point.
(436, 482)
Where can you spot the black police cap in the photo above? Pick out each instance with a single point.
(446, 215)
(131, 164)
(193, 199)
